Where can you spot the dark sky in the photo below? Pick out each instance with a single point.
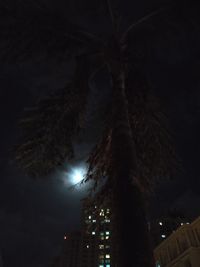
(34, 214)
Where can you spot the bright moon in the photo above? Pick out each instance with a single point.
(76, 175)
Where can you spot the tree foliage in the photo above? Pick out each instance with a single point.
(28, 29)
(135, 148)
(49, 129)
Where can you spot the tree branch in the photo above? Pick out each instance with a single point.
(110, 10)
(142, 20)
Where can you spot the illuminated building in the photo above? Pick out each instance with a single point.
(92, 246)
(96, 236)
(161, 228)
(181, 248)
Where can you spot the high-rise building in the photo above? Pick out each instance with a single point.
(91, 247)
(181, 248)
(96, 236)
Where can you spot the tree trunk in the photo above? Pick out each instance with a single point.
(130, 225)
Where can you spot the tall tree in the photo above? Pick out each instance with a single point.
(134, 149)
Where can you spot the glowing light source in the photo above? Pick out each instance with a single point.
(76, 174)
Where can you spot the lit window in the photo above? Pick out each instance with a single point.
(101, 246)
(101, 212)
(182, 223)
(101, 265)
(102, 237)
(87, 246)
(163, 236)
(160, 223)
(108, 211)
(107, 237)
(187, 223)
(93, 221)
(107, 233)
(101, 233)
(107, 265)
(89, 217)
(65, 237)
(107, 256)
(93, 233)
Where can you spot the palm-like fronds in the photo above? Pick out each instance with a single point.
(156, 157)
(100, 159)
(50, 128)
(100, 168)
(131, 168)
(175, 20)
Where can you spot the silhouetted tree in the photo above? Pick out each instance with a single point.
(134, 149)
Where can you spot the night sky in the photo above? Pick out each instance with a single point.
(34, 214)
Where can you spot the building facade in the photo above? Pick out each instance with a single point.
(91, 247)
(181, 248)
(96, 236)
(163, 227)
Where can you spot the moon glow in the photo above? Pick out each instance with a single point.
(76, 175)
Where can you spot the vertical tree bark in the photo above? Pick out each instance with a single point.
(130, 226)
